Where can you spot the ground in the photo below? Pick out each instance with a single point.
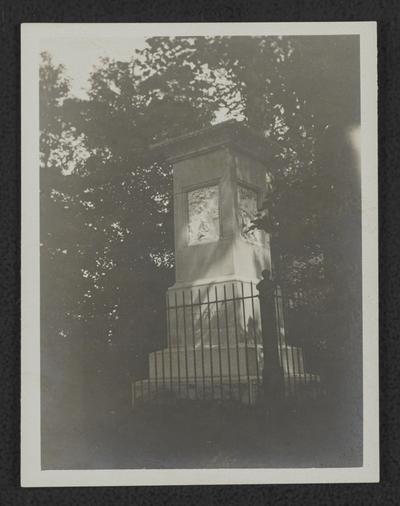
(205, 434)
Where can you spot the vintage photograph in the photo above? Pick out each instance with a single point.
(200, 208)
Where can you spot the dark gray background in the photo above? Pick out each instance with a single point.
(386, 12)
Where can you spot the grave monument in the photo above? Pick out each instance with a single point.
(220, 177)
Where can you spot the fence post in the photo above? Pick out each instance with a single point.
(273, 382)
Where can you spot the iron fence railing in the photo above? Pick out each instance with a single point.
(215, 344)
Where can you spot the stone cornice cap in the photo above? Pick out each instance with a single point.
(230, 133)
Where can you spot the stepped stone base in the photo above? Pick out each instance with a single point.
(195, 363)
(230, 373)
(242, 360)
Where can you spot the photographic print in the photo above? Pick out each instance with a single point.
(199, 254)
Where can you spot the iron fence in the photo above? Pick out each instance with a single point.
(215, 344)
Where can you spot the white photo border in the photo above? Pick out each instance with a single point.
(31, 473)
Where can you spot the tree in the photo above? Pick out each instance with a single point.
(61, 158)
(62, 284)
(120, 211)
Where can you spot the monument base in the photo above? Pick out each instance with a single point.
(215, 347)
(219, 374)
(221, 313)
(210, 362)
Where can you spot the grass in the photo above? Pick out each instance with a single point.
(207, 434)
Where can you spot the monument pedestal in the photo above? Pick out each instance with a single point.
(221, 313)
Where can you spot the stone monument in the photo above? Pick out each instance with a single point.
(214, 328)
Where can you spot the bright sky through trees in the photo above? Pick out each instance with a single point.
(79, 55)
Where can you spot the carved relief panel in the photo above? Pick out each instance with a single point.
(203, 215)
(247, 210)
